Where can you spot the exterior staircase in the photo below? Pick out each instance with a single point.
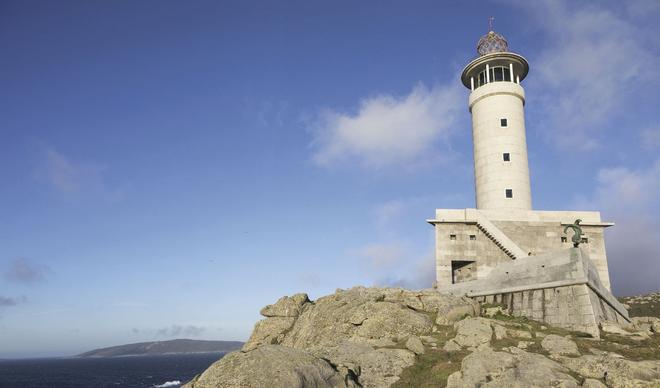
(498, 237)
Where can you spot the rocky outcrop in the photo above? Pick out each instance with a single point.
(286, 306)
(415, 345)
(646, 324)
(273, 366)
(367, 336)
(557, 345)
(382, 337)
(472, 333)
(515, 368)
(616, 371)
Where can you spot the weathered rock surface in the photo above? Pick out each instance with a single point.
(517, 368)
(451, 346)
(473, 332)
(374, 367)
(268, 332)
(368, 337)
(450, 313)
(518, 333)
(374, 316)
(272, 366)
(286, 306)
(646, 324)
(616, 371)
(615, 328)
(382, 367)
(558, 345)
(593, 383)
(353, 332)
(500, 331)
(415, 345)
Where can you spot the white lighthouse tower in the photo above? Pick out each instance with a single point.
(503, 251)
(497, 104)
(472, 242)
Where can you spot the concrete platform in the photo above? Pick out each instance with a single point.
(561, 288)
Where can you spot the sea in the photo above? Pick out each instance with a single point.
(163, 371)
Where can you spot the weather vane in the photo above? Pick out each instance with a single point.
(490, 23)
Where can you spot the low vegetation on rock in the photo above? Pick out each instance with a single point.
(642, 305)
(390, 337)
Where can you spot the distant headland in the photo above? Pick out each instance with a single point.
(177, 346)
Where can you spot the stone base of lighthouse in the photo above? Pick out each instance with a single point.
(561, 288)
(523, 260)
(470, 243)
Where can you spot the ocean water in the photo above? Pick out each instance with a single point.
(120, 372)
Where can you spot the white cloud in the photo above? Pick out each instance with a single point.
(69, 177)
(420, 274)
(625, 191)
(643, 8)
(593, 63)
(651, 138)
(630, 199)
(388, 130)
(394, 264)
(382, 256)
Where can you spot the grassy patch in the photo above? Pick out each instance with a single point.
(648, 349)
(643, 305)
(432, 369)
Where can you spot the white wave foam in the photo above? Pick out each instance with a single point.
(173, 383)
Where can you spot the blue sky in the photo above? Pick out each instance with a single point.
(168, 167)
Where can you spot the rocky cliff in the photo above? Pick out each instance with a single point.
(382, 337)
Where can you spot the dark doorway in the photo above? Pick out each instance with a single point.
(463, 271)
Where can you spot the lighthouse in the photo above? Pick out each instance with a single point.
(471, 243)
(496, 102)
(503, 251)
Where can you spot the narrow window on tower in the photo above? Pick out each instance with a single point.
(508, 193)
(506, 156)
(452, 237)
(507, 75)
(499, 73)
(503, 123)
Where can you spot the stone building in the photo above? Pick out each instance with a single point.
(472, 245)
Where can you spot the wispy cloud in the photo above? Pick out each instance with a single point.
(395, 264)
(23, 270)
(651, 138)
(590, 68)
(69, 176)
(381, 256)
(181, 330)
(420, 275)
(309, 279)
(629, 197)
(11, 301)
(388, 130)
